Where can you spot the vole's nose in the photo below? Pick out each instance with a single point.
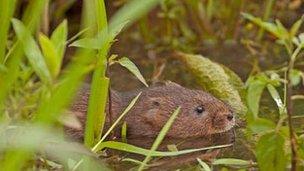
(230, 117)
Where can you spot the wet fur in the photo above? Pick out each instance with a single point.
(154, 107)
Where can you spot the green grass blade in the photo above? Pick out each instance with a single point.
(204, 165)
(210, 9)
(96, 109)
(50, 55)
(51, 108)
(101, 15)
(43, 139)
(267, 13)
(124, 132)
(14, 160)
(59, 38)
(96, 148)
(12, 64)
(7, 8)
(123, 18)
(116, 122)
(34, 8)
(160, 137)
(88, 43)
(94, 16)
(100, 83)
(232, 161)
(131, 12)
(32, 51)
(80, 33)
(138, 150)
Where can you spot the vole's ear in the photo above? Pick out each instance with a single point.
(155, 102)
(153, 117)
(153, 109)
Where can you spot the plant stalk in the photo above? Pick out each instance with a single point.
(289, 103)
(266, 16)
(45, 24)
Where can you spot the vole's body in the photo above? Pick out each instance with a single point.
(201, 114)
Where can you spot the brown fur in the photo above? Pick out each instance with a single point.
(154, 107)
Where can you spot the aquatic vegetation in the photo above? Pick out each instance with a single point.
(274, 135)
(216, 79)
(48, 48)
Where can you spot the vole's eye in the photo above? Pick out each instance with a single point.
(200, 109)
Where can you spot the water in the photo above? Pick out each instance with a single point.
(236, 56)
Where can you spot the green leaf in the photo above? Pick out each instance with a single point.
(204, 165)
(276, 97)
(3, 68)
(296, 41)
(15, 58)
(88, 43)
(232, 161)
(50, 55)
(296, 76)
(103, 38)
(32, 51)
(295, 27)
(96, 110)
(301, 38)
(59, 38)
(214, 79)
(131, 12)
(101, 14)
(43, 140)
(297, 97)
(270, 152)
(254, 92)
(210, 8)
(127, 63)
(77, 35)
(51, 108)
(270, 27)
(124, 132)
(7, 8)
(123, 18)
(261, 125)
(15, 54)
(283, 32)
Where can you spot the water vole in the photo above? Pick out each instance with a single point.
(201, 114)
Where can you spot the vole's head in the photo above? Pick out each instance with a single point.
(201, 114)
